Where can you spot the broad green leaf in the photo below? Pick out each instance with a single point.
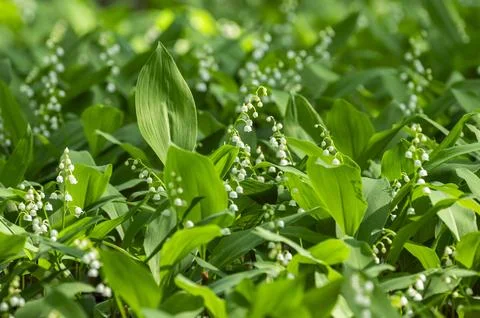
(350, 129)
(270, 299)
(330, 251)
(328, 295)
(13, 172)
(468, 250)
(5, 70)
(301, 119)
(459, 219)
(350, 82)
(445, 17)
(103, 118)
(214, 304)
(197, 177)
(233, 246)
(10, 246)
(452, 152)
(467, 100)
(452, 136)
(92, 181)
(132, 150)
(409, 230)
(122, 273)
(164, 105)
(223, 159)
(157, 231)
(427, 256)
(304, 194)
(340, 189)
(55, 301)
(472, 180)
(378, 198)
(182, 243)
(394, 162)
(14, 120)
(380, 140)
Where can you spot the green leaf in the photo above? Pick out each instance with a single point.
(5, 70)
(182, 243)
(328, 294)
(468, 250)
(270, 299)
(13, 117)
(409, 230)
(378, 198)
(164, 105)
(304, 194)
(350, 129)
(132, 150)
(452, 136)
(103, 118)
(394, 162)
(57, 301)
(233, 246)
(157, 231)
(10, 246)
(13, 172)
(215, 305)
(427, 257)
(301, 119)
(198, 178)
(92, 181)
(223, 159)
(445, 18)
(472, 180)
(450, 153)
(123, 273)
(340, 189)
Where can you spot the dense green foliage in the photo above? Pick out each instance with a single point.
(251, 159)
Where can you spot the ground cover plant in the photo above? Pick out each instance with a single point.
(244, 159)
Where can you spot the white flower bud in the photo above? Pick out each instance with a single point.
(72, 179)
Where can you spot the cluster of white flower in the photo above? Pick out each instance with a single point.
(278, 142)
(13, 299)
(108, 57)
(363, 290)
(419, 154)
(381, 247)
(104, 290)
(415, 291)
(281, 74)
(32, 204)
(206, 66)
(175, 190)
(46, 105)
(146, 174)
(328, 145)
(448, 255)
(242, 166)
(282, 256)
(66, 168)
(90, 257)
(417, 76)
(325, 39)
